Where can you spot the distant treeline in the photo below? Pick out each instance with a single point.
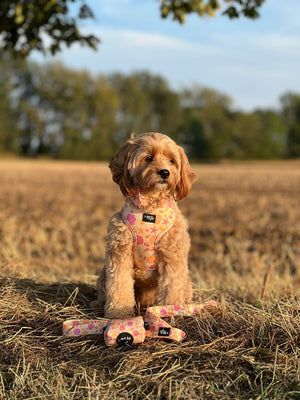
(53, 110)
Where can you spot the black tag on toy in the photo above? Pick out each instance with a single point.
(124, 338)
(146, 326)
(165, 332)
(149, 218)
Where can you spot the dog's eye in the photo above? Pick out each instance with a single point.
(172, 161)
(149, 159)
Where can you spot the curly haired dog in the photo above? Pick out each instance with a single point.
(148, 241)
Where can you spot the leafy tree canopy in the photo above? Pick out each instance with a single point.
(42, 25)
(232, 8)
(45, 25)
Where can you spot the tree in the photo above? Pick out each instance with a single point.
(146, 104)
(207, 126)
(257, 135)
(55, 110)
(8, 129)
(76, 112)
(271, 136)
(193, 135)
(211, 129)
(28, 25)
(15, 83)
(178, 9)
(290, 103)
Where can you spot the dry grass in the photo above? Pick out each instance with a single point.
(244, 221)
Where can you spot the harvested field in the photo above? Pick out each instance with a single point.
(245, 231)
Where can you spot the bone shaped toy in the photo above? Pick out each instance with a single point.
(136, 330)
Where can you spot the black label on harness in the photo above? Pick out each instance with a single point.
(124, 338)
(149, 218)
(164, 332)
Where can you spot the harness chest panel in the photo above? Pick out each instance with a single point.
(147, 230)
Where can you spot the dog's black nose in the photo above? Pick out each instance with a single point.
(164, 173)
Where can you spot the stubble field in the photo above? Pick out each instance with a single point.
(245, 231)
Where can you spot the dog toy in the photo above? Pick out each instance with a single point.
(136, 330)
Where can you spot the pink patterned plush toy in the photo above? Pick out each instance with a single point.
(135, 330)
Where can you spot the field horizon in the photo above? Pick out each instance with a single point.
(244, 220)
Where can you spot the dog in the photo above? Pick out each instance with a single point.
(148, 241)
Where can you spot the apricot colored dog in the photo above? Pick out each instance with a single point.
(148, 240)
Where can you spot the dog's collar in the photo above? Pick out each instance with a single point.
(141, 201)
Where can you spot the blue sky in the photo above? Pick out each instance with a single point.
(254, 62)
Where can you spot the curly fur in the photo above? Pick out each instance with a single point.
(121, 285)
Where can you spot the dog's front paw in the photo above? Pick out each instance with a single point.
(97, 305)
(113, 313)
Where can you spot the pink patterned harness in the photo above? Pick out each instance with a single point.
(147, 229)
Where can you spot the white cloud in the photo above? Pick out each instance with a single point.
(272, 42)
(283, 43)
(143, 40)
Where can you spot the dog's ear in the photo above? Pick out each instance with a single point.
(187, 177)
(119, 167)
